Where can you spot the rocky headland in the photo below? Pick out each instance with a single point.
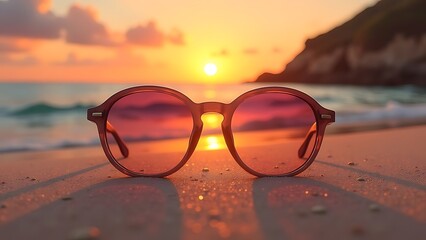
(383, 45)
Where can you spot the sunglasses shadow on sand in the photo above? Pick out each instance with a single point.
(303, 208)
(156, 208)
(130, 208)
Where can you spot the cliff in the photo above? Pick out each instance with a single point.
(383, 45)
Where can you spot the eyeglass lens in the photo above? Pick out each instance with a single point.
(152, 125)
(269, 129)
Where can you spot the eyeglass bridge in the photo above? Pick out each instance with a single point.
(216, 107)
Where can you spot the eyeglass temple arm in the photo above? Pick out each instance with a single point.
(123, 148)
(308, 137)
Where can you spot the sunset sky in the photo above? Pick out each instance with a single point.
(158, 41)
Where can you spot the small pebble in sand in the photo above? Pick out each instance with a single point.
(319, 209)
(214, 214)
(357, 230)
(276, 167)
(33, 179)
(302, 214)
(351, 163)
(3, 183)
(66, 198)
(200, 197)
(2, 206)
(90, 233)
(194, 179)
(374, 208)
(360, 179)
(227, 169)
(315, 194)
(109, 177)
(206, 169)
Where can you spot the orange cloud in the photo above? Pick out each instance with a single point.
(250, 51)
(123, 57)
(33, 19)
(222, 53)
(276, 50)
(176, 37)
(83, 27)
(22, 18)
(18, 61)
(16, 45)
(149, 35)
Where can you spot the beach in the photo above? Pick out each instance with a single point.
(366, 185)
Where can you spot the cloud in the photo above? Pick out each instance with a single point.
(250, 51)
(73, 60)
(15, 45)
(222, 53)
(83, 27)
(176, 37)
(29, 18)
(276, 50)
(123, 57)
(149, 35)
(32, 19)
(22, 61)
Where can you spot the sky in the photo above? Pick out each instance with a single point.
(131, 41)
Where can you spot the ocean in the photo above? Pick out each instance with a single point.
(42, 116)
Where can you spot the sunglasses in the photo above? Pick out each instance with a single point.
(152, 131)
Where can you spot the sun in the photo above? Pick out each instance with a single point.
(210, 69)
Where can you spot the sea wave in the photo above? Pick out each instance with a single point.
(22, 147)
(393, 112)
(42, 108)
(32, 118)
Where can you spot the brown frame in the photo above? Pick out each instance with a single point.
(99, 116)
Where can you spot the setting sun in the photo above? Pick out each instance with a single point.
(210, 69)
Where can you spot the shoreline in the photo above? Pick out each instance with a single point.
(331, 130)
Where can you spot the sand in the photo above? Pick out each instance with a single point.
(369, 185)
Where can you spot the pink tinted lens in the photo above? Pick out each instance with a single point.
(270, 130)
(155, 127)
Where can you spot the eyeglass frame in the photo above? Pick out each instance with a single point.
(99, 115)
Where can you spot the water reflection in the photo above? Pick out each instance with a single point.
(214, 143)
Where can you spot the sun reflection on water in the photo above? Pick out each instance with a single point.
(214, 143)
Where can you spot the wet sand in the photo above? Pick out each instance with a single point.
(369, 185)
